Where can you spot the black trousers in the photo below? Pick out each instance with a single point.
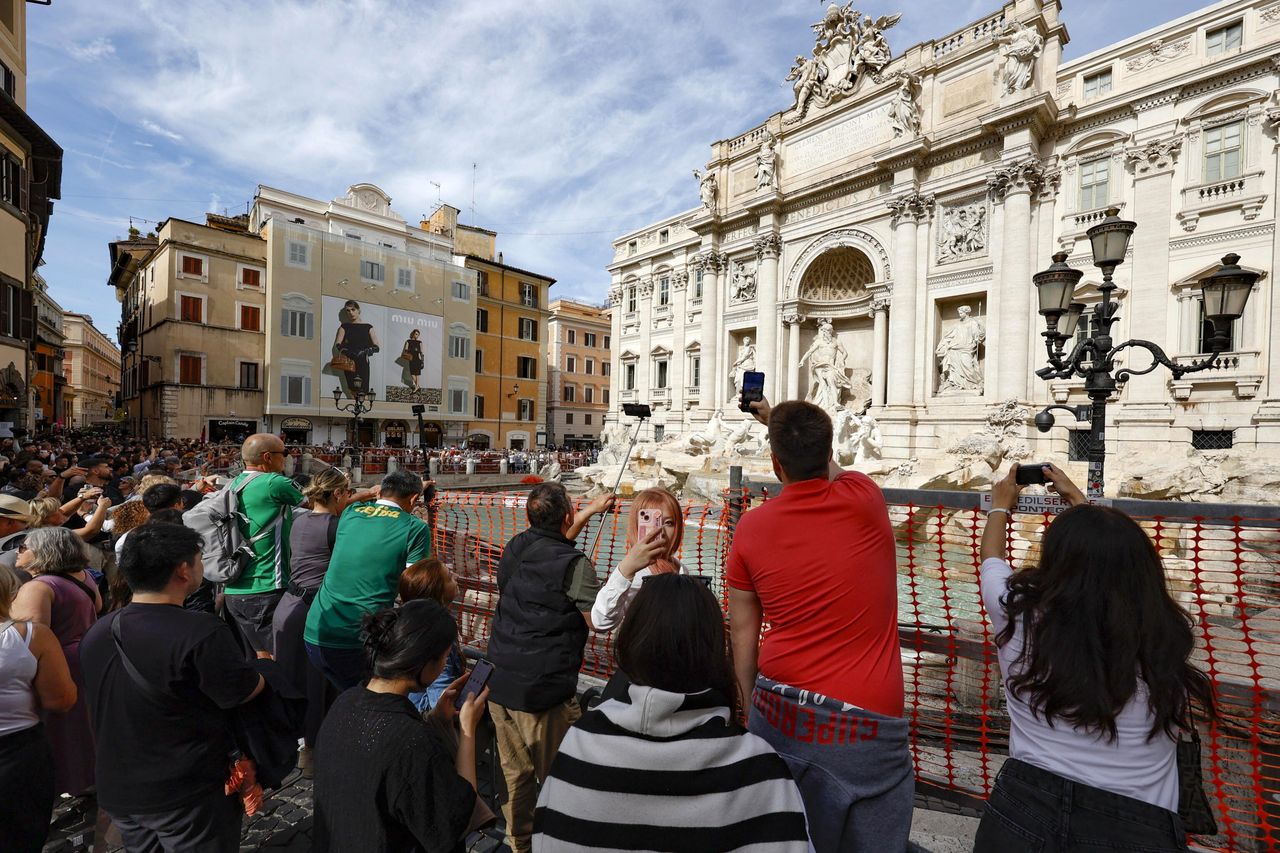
(1031, 809)
(209, 825)
(26, 790)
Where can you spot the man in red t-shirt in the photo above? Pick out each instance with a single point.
(818, 563)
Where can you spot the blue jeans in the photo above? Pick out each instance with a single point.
(345, 668)
(1031, 809)
(453, 667)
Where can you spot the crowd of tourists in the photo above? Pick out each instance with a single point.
(131, 680)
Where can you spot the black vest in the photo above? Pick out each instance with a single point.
(538, 633)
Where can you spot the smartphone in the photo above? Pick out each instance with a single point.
(752, 389)
(479, 678)
(647, 521)
(1031, 475)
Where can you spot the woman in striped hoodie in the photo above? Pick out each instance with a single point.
(668, 764)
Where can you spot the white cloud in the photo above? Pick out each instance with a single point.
(99, 48)
(151, 127)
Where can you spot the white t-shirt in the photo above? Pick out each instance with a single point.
(1130, 764)
(615, 596)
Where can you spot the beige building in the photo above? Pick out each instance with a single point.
(873, 242)
(30, 176)
(48, 379)
(578, 365)
(193, 320)
(363, 303)
(91, 364)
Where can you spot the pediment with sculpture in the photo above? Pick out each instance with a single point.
(848, 46)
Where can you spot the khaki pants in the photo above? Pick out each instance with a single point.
(527, 744)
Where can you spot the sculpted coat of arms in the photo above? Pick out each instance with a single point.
(847, 47)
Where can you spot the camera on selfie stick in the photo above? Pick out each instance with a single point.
(632, 410)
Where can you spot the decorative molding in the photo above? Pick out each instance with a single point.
(615, 295)
(963, 231)
(680, 280)
(1158, 53)
(880, 303)
(1023, 176)
(1154, 156)
(1239, 75)
(856, 238)
(1231, 236)
(768, 246)
(959, 278)
(912, 206)
(1270, 14)
(793, 319)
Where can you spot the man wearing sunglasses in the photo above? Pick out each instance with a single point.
(267, 502)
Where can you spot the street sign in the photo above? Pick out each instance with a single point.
(1040, 504)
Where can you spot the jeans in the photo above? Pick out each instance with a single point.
(345, 668)
(209, 825)
(1034, 811)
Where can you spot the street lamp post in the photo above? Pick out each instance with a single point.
(361, 402)
(1226, 291)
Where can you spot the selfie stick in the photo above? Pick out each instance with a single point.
(621, 470)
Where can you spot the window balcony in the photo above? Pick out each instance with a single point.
(1244, 193)
(659, 393)
(627, 394)
(1241, 369)
(692, 392)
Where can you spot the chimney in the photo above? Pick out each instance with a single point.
(499, 257)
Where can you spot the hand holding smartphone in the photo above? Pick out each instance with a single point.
(648, 520)
(752, 390)
(476, 683)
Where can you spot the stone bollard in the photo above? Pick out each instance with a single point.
(502, 466)
(290, 466)
(433, 467)
(307, 459)
(471, 467)
(392, 465)
(357, 475)
(346, 461)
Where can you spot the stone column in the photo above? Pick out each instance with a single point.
(709, 334)
(645, 310)
(768, 246)
(615, 353)
(879, 349)
(1148, 301)
(793, 390)
(1013, 185)
(908, 210)
(675, 372)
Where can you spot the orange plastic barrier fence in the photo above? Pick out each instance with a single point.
(1222, 570)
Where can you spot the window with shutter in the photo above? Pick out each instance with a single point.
(192, 266)
(251, 278)
(190, 369)
(191, 309)
(251, 318)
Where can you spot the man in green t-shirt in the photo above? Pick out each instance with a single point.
(267, 501)
(376, 541)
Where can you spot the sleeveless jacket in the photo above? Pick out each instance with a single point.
(538, 634)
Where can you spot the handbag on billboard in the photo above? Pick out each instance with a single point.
(343, 362)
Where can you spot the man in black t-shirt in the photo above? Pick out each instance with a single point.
(163, 740)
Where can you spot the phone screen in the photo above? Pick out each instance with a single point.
(479, 678)
(752, 389)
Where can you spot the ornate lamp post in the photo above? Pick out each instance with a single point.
(1226, 291)
(361, 402)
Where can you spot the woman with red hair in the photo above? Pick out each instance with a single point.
(656, 519)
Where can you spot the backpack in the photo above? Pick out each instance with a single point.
(216, 518)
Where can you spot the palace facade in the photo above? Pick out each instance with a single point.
(874, 242)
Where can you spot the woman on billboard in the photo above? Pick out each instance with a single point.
(411, 355)
(353, 345)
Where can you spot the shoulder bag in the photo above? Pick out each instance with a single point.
(1193, 805)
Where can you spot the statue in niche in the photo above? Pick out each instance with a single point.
(746, 361)
(743, 286)
(827, 360)
(1019, 49)
(964, 232)
(766, 163)
(958, 355)
(707, 188)
(904, 109)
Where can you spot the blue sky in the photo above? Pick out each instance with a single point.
(584, 118)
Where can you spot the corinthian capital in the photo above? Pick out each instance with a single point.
(911, 207)
(679, 280)
(646, 288)
(793, 319)
(768, 245)
(615, 295)
(1158, 155)
(1023, 176)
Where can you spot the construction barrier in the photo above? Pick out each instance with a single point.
(1221, 562)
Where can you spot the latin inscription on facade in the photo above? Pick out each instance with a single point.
(839, 142)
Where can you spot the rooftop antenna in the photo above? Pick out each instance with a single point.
(473, 194)
(439, 201)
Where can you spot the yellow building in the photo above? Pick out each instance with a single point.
(511, 355)
(30, 176)
(578, 350)
(192, 326)
(91, 363)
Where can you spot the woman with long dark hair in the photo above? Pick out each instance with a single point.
(1095, 655)
(357, 341)
(669, 762)
(384, 779)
